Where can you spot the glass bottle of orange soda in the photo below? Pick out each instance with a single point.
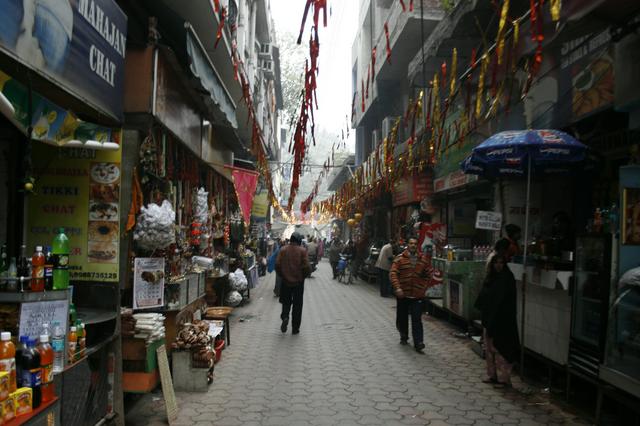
(46, 363)
(73, 344)
(8, 358)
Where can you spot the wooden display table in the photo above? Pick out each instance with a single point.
(221, 313)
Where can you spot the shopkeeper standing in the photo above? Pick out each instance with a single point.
(514, 233)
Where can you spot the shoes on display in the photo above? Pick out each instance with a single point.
(419, 347)
(283, 326)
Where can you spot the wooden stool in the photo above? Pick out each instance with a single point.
(221, 313)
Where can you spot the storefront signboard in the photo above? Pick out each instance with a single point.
(79, 190)
(586, 71)
(260, 205)
(491, 221)
(453, 180)
(79, 45)
(49, 121)
(148, 282)
(412, 189)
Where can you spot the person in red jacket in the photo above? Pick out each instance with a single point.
(410, 276)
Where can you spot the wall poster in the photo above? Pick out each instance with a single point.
(148, 282)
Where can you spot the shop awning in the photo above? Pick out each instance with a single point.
(49, 122)
(207, 77)
(222, 170)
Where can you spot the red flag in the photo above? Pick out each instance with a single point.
(245, 182)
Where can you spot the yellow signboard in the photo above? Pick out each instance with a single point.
(260, 205)
(79, 190)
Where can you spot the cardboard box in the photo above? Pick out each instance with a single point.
(23, 401)
(8, 409)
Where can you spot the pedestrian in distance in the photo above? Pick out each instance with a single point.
(383, 265)
(312, 252)
(334, 255)
(293, 266)
(271, 266)
(411, 275)
(497, 303)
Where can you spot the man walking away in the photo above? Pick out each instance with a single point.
(334, 256)
(293, 266)
(312, 252)
(410, 277)
(383, 265)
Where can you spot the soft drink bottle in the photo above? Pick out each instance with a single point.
(73, 314)
(37, 270)
(12, 274)
(60, 252)
(82, 339)
(8, 358)
(4, 267)
(48, 269)
(19, 350)
(32, 371)
(57, 343)
(73, 344)
(46, 363)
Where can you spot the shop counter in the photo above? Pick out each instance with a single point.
(462, 281)
(548, 278)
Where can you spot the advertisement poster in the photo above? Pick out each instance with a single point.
(148, 282)
(631, 216)
(260, 205)
(78, 190)
(79, 44)
(33, 315)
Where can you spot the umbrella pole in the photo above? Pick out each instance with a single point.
(524, 262)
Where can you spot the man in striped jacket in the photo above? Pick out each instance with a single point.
(410, 277)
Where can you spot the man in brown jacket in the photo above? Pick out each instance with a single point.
(293, 266)
(410, 277)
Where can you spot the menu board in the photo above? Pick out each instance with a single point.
(79, 190)
(33, 315)
(148, 282)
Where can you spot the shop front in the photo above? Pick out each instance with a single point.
(63, 179)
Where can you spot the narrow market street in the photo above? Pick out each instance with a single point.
(345, 367)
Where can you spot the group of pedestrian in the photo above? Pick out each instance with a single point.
(408, 276)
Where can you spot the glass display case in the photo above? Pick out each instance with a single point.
(590, 301)
(623, 339)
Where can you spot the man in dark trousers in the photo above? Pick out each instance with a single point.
(293, 266)
(410, 277)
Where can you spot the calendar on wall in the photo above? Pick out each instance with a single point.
(148, 283)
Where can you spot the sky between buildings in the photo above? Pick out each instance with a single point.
(334, 81)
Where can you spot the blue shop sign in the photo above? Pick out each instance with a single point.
(78, 44)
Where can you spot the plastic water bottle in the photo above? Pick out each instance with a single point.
(57, 343)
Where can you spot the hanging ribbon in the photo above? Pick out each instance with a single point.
(501, 31)
(404, 7)
(362, 95)
(223, 17)
(454, 66)
(555, 6)
(479, 96)
(318, 6)
(386, 35)
(373, 64)
(368, 79)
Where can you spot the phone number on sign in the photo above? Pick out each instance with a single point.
(99, 275)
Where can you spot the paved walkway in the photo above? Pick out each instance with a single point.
(345, 368)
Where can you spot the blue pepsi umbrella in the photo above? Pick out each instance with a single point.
(523, 154)
(516, 153)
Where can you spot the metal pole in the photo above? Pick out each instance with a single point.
(524, 261)
(424, 70)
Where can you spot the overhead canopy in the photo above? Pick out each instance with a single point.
(49, 122)
(218, 98)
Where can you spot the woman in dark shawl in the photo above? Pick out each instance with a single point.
(497, 302)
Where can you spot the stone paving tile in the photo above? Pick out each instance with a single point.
(345, 368)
